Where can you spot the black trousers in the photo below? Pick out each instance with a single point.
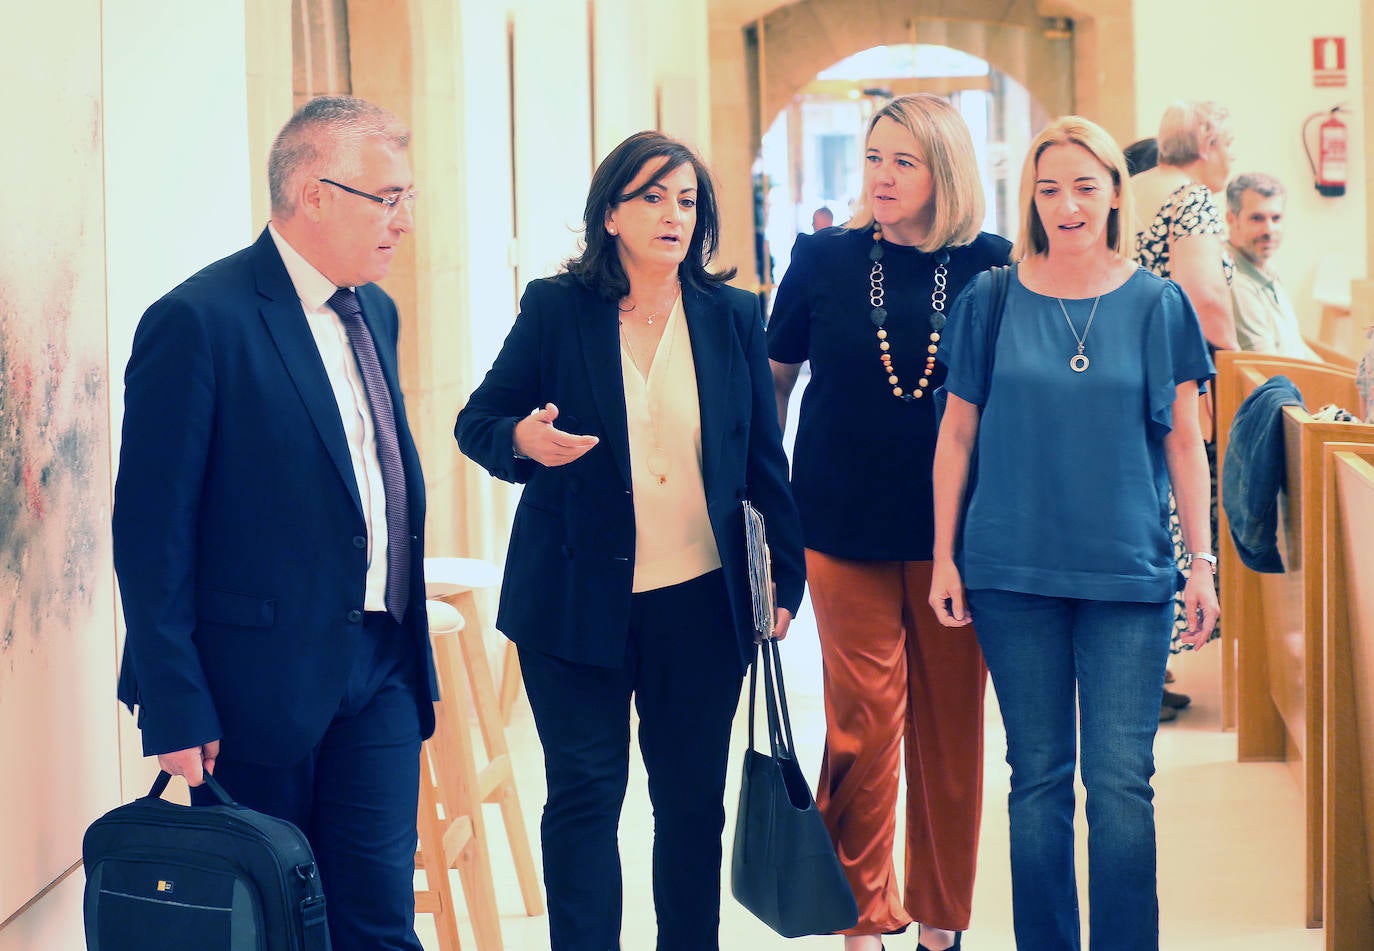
(355, 796)
(682, 669)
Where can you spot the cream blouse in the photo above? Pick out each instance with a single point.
(673, 539)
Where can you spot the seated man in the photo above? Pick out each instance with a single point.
(1265, 320)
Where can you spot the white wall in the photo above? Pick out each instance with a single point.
(568, 114)
(177, 191)
(176, 198)
(1255, 57)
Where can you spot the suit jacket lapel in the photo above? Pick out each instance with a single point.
(713, 352)
(280, 308)
(599, 329)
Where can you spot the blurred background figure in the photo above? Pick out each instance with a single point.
(1183, 239)
(1265, 319)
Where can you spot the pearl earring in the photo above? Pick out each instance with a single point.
(612, 232)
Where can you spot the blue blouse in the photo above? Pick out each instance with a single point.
(1072, 496)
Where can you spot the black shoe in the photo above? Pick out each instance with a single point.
(1167, 713)
(1176, 700)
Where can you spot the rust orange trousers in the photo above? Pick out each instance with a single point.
(898, 682)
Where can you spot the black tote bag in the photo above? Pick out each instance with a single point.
(783, 868)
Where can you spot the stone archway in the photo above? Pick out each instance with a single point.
(796, 42)
(762, 54)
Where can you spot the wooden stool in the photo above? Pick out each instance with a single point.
(463, 787)
(447, 578)
(445, 841)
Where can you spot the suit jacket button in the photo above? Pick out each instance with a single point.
(355, 616)
(359, 542)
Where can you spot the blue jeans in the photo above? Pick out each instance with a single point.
(1042, 653)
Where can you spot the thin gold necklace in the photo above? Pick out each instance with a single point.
(655, 314)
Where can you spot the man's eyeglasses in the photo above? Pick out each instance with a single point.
(389, 203)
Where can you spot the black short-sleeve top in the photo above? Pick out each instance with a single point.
(861, 469)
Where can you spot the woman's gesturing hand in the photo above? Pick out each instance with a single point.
(536, 437)
(947, 594)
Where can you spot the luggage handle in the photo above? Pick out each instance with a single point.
(164, 777)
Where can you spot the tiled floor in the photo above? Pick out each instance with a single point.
(1230, 834)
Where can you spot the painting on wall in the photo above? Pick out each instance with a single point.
(58, 726)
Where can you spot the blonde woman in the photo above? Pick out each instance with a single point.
(866, 304)
(1086, 418)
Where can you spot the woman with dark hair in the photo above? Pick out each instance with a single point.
(626, 575)
(865, 304)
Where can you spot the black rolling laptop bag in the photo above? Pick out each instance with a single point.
(200, 878)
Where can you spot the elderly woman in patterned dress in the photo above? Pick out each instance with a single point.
(1184, 240)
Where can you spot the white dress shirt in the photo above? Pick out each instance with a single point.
(331, 339)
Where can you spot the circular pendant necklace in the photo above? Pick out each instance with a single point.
(1079, 362)
(879, 317)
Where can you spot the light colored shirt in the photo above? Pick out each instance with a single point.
(673, 538)
(1265, 319)
(346, 382)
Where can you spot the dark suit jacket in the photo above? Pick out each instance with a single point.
(570, 563)
(239, 537)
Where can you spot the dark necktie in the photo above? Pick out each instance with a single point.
(345, 304)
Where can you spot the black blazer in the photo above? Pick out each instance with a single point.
(239, 538)
(570, 564)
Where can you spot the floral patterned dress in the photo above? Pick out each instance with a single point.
(1364, 378)
(1189, 210)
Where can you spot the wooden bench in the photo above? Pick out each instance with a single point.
(1349, 697)
(1333, 356)
(1238, 375)
(1273, 624)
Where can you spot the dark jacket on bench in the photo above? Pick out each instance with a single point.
(1254, 472)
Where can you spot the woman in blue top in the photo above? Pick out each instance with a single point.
(1082, 422)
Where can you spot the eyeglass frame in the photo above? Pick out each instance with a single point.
(391, 203)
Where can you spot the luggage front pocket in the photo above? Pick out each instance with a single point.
(147, 903)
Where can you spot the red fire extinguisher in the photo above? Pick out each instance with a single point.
(1330, 170)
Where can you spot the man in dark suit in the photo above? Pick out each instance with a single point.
(268, 523)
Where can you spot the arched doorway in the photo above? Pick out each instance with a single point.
(811, 154)
(763, 55)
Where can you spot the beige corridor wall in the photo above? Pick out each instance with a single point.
(548, 88)
(58, 735)
(171, 126)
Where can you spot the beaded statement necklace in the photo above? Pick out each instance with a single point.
(879, 317)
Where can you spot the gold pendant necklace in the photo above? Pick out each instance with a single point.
(657, 313)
